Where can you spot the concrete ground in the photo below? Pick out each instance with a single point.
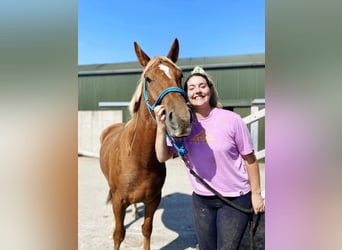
(172, 225)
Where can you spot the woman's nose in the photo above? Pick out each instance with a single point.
(197, 90)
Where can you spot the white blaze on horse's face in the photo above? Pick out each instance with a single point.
(165, 69)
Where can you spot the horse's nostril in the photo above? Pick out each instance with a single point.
(170, 116)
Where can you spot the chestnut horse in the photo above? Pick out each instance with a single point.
(127, 155)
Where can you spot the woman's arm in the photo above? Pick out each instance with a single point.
(252, 167)
(162, 150)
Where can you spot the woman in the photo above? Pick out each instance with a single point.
(220, 150)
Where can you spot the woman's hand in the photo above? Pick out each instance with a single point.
(258, 203)
(162, 150)
(159, 112)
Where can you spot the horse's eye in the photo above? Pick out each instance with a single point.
(148, 79)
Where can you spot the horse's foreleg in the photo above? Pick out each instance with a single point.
(150, 209)
(119, 209)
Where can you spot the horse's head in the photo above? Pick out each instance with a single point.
(160, 83)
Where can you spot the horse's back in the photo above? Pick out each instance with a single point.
(110, 131)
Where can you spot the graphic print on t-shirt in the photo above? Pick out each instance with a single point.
(201, 138)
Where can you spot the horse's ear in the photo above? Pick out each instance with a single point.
(143, 59)
(173, 53)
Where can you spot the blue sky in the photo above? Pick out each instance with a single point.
(108, 28)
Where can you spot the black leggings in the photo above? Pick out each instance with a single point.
(219, 226)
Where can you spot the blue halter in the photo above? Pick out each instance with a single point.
(181, 150)
(162, 95)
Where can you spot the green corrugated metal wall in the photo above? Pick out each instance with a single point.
(238, 79)
(105, 88)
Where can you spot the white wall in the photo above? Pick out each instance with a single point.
(90, 126)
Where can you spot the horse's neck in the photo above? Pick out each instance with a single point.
(147, 124)
(143, 129)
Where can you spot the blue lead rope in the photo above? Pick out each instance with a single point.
(181, 150)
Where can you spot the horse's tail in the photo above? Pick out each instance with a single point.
(109, 197)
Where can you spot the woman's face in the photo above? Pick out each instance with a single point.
(198, 91)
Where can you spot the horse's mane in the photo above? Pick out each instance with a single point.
(135, 101)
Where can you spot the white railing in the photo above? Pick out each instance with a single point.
(252, 119)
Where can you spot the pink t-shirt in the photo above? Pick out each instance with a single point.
(215, 146)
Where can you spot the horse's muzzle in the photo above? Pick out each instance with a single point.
(177, 125)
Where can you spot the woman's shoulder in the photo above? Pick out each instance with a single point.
(226, 113)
